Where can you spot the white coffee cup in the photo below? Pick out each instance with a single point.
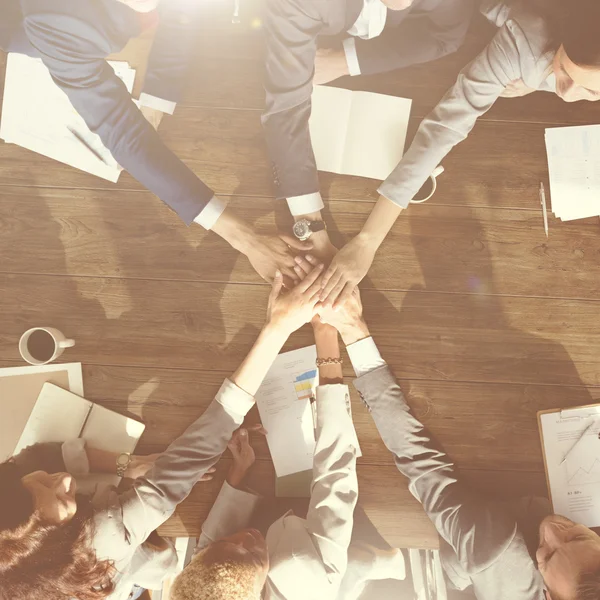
(433, 178)
(41, 345)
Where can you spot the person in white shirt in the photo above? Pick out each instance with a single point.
(382, 35)
(500, 550)
(551, 46)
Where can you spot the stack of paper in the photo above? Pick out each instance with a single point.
(574, 169)
(358, 133)
(37, 115)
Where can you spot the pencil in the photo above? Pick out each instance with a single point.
(544, 209)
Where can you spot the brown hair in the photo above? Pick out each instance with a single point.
(40, 560)
(211, 576)
(572, 24)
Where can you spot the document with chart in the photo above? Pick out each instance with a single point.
(571, 447)
(284, 404)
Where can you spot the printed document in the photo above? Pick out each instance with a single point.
(37, 115)
(571, 446)
(284, 404)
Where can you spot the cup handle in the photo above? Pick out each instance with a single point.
(437, 171)
(66, 343)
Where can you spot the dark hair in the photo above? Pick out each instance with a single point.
(41, 560)
(574, 24)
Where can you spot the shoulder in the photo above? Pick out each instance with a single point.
(531, 36)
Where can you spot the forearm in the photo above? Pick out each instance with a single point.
(326, 339)
(379, 222)
(252, 371)
(101, 461)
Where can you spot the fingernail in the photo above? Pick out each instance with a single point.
(320, 266)
(243, 433)
(310, 257)
(298, 259)
(277, 273)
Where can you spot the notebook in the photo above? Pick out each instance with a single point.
(571, 446)
(60, 415)
(358, 133)
(19, 391)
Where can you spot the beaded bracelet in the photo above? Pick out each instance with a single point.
(329, 361)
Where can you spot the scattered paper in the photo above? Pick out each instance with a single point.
(284, 404)
(38, 115)
(571, 447)
(358, 133)
(574, 170)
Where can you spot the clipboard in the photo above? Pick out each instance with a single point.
(575, 412)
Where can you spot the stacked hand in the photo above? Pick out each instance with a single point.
(243, 454)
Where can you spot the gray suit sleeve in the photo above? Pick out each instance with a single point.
(476, 90)
(419, 39)
(72, 51)
(478, 531)
(292, 27)
(154, 498)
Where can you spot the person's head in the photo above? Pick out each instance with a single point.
(142, 6)
(45, 549)
(398, 4)
(232, 567)
(568, 558)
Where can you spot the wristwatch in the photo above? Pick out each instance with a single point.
(123, 462)
(304, 228)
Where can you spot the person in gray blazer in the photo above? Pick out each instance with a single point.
(59, 546)
(512, 550)
(73, 39)
(382, 35)
(550, 46)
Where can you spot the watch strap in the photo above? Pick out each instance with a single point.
(317, 226)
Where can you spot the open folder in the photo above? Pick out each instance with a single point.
(358, 133)
(571, 446)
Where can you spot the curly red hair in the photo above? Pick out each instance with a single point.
(41, 560)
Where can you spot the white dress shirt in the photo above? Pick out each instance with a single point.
(370, 24)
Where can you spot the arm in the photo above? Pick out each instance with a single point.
(335, 486)
(477, 88)
(292, 27)
(153, 499)
(103, 101)
(420, 38)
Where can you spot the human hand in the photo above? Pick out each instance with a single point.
(288, 311)
(243, 454)
(516, 89)
(347, 319)
(322, 248)
(347, 270)
(271, 253)
(330, 64)
(152, 115)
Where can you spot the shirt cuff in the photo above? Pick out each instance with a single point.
(210, 214)
(234, 399)
(303, 205)
(365, 356)
(351, 56)
(166, 106)
(75, 457)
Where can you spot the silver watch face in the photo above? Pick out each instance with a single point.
(123, 460)
(302, 229)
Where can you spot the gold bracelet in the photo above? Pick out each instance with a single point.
(329, 361)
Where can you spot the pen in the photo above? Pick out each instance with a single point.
(82, 141)
(544, 209)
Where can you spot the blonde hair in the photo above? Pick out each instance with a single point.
(213, 577)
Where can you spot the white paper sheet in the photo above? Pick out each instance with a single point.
(283, 402)
(37, 115)
(358, 133)
(575, 481)
(574, 170)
